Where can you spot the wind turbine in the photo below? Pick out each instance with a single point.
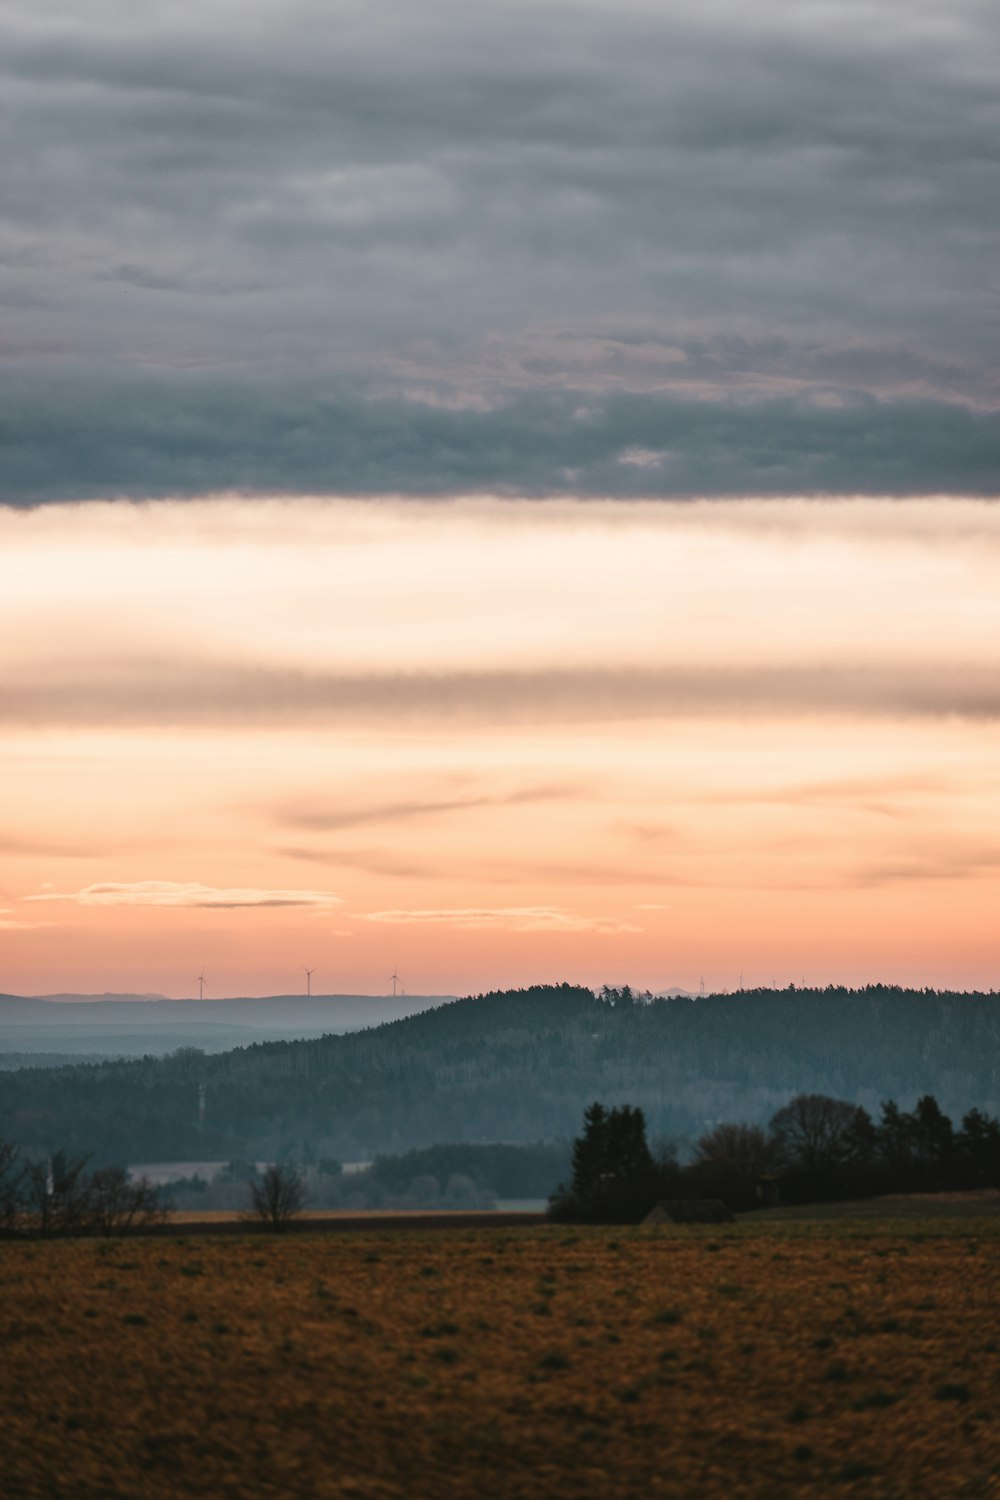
(309, 979)
(201, 984)
(395, 980)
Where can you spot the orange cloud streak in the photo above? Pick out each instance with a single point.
(506, 741)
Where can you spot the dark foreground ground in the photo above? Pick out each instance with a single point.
(216, 1222)
(827, 1357)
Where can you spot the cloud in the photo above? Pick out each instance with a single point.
(328, 820)
(942, 864)
(503, 245)
(610, 871)
(372, 861)
(504, 918)
(893, 794)
(10, 923)
(150, 692)
(149, 434)
(488, 870)
(192, 894)
(853, 788)
(36, 848)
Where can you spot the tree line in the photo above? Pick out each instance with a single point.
(448, 1176)
(60, 1195)
(814, 1148)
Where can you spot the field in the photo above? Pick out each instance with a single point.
(765, 1359)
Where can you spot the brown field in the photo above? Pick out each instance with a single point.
(845, 1357)
(316, 1220)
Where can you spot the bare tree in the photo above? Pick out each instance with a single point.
(11, 1185)
(277, 1195)
(116, 1203)
(743, 1151)
(825, 1135)
(56, 1193)
(731, 1160)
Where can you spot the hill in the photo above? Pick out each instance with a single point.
(520, 1066)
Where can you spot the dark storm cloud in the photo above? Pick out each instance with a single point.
(76, 438)
(431, 247)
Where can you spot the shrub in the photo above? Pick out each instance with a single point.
(277, 1195)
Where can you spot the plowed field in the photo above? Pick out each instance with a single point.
(749, 1361)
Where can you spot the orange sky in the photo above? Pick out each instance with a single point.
(493, 742)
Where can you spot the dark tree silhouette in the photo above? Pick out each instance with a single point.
(615, 1179)
(115, 1203)
(11, 1185)
(824, 1136)
(933, 1135)
(921, 1150)
(277, 1195)
(612, 1147)
(56, 1193)
(978, 1150)
(731, 1159)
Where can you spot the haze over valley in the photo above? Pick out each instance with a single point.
(132, 1025)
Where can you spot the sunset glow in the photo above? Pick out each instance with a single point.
(498, 741)
(504, 490)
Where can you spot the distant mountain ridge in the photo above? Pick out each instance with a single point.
(73, 998)
(127, 1025)
(520, 1066)
(219, 1004)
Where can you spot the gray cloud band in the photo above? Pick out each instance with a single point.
(453, 246)
(157, 693)
(78, 438)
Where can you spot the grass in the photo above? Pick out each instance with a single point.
(904, 1208)
(790, 1359)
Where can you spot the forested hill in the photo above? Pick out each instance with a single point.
(520, 1066)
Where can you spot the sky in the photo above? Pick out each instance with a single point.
(507, 491)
